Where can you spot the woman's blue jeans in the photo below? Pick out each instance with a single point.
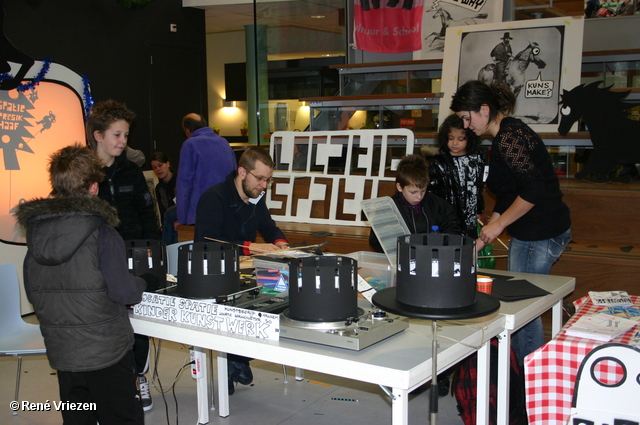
(169, 234)
(533, 257)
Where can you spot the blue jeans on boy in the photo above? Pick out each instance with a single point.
(533, 257)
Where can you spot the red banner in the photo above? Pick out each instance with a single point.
(388, 26)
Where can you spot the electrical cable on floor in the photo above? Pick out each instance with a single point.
(155, 376)
(173, 388)
(156, 379)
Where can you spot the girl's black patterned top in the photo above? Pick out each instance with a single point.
(459, 180)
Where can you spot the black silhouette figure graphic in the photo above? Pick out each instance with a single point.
(8, 53)
(46, 122)
(615, 137)
(513, 75)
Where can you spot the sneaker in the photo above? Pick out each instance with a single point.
(147, 403)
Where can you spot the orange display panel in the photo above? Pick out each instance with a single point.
(33, 125)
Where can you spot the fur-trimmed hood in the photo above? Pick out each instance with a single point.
(66, 205)
(56, 227)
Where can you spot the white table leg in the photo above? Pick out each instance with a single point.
(223, 385)
(211, 381)
(556, 318)
(504, 375)
(482, 385)
(200, 355)
(299, 374)
(400, 407)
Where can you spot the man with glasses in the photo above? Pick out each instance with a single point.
(234, 211)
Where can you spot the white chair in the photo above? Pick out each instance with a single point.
(172, 257)
(17, 337)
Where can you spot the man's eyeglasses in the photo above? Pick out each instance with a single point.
(267, 180)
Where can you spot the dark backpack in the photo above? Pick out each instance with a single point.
(465, 390)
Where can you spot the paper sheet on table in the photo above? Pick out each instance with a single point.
(507, 289)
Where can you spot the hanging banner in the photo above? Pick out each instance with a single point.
(388, 26)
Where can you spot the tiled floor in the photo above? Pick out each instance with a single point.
(316, 400)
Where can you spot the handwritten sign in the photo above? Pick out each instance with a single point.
(539, 88)
(207, 314)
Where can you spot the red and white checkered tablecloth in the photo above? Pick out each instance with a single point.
(550, 372)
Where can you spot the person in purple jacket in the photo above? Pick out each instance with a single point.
(205, 160)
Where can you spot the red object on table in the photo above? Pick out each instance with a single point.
(550, 371)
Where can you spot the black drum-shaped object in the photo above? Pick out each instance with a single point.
(148, 256)
(208, 270)
(436, 270)
(323, 288)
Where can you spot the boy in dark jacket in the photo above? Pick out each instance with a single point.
(422, 212)
(76, 277)
(125, 188)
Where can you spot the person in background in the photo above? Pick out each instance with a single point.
(528, 196)
(234, 211)
(125, 188)
(591, 8)
(166, 196)
(79, 288)
(422, 212)
(457, 173)
(205, 160)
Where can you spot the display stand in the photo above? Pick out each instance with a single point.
(484, 305)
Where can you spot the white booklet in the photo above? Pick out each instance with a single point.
(600, 326)
(610, 298)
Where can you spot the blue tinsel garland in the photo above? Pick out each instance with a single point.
(30, 85)
(88, 99)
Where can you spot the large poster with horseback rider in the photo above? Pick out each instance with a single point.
(535, 59)
(441, 14)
